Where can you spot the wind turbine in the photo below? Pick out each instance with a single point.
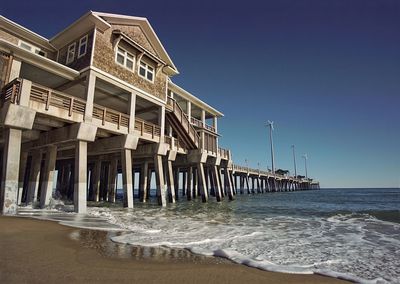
(305, 163)
(294, 160)
(270, 124)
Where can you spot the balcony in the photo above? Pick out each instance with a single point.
(72, 109)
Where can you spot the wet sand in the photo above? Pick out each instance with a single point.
(36, 251)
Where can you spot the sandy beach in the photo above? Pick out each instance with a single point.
(35, 251)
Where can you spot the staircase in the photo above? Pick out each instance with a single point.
(181, 124)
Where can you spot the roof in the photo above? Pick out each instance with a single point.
(103, 21)
(39, 40)
(193, 99)
(147, 29)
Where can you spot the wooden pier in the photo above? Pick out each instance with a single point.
(95, 102)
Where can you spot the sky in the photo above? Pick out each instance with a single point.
(326, 72)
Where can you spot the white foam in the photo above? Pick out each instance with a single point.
(342, 246)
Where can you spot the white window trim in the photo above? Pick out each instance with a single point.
(34, 49)
(71, 59)
(147, 70)
(125, 55)
(83, 40)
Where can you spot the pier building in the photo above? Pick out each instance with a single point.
(96, 101)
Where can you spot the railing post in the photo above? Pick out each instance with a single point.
(104, 116)
(119, 120)
(48, 99)
(71, 103)
(13, 93)
(142, 122)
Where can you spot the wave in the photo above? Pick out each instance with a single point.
(355, 247)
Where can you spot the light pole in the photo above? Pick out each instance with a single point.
(270, 124)
(305, 163)
(294, 160)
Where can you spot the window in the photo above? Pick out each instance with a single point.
(125, 58)
(31, 48)
(146, 71)
(71, 53)
(82, 46)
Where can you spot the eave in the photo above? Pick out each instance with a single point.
(25, 33)
(193, 99)
(39, 61)
(83, 24)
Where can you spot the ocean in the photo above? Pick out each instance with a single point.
(348, 233)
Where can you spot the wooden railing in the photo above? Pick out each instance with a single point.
(200, 124)
(145, 127)
(57, 99)
(11, 92)
(52, 98)
(183, 120)
(261, 172)
(210, 143)
(224, 153)
(112, 116)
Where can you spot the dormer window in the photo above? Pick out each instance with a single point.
(82, 46)
(71, 53)
(31, 48)
(146, 71)
(125, 58)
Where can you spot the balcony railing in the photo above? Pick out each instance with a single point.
(11, 92)
(57, 99)
(73, 105)
(183, 120)
(224, 153)
(200, 124)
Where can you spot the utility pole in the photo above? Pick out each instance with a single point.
(305, 164)
(270, 124)
(294, 160)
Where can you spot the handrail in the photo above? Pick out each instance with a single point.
(57, 99)
(200, 124)
(11, 92)
(61, 100)
(267, 173)
(183, 119)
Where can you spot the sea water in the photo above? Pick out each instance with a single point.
(348, 233)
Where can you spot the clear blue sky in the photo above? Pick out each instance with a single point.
(327, 72)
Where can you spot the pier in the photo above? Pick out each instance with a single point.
(97, 101)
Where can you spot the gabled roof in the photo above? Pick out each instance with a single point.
(103, 21)
(144, 24)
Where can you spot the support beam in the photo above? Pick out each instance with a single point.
(90, 88)
(11, 160)
(189, 177)
(96, 175)
(34, 175)
(161, 191)
(46, 189)
(171, 183)
(22, 170)
(144, 176)
(80, 177)
(126, 160)
(112, 180)
(217, 184)
(202, 182)
(228, 183)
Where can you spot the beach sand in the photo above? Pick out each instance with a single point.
(36, 251)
